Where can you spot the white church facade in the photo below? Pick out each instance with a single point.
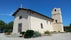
(27, 19)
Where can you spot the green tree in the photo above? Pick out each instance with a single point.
(2, 25)
(10, 26)
(70, 27)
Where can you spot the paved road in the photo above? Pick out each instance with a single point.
(59, 36)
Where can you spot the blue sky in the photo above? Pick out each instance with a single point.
(43, 6)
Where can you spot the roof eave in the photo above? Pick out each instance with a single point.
(32, 11)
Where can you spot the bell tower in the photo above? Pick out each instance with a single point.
(57, 23)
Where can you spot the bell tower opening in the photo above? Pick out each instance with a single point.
(55, 10)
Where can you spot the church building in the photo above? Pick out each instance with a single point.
(27, 19)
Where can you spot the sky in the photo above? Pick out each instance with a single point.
(8, 7)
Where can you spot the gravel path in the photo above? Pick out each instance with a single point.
(58, 36)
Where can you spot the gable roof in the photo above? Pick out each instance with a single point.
(31, 11)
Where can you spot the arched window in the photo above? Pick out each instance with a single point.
(20, 17)
(41, 25)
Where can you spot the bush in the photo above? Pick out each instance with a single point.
(53, 32)
(7, 32)
(36, 34)
(58, 31)
(67, 30)
(22, 33)
(28, 34)
(47, 32)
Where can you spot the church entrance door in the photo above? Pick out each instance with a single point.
(20, 27)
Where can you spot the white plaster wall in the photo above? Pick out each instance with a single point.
(56, 15)
(24, 21)
(36, 21)
(60, 27)
(32, 22)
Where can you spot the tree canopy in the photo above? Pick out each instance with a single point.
(4, 25)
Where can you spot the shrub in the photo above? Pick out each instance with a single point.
(28, 34)
(36, 34)
(53, 32)
(7, 32)
(58, 31)
(67, 30)
(47, 32)
(22, 33)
